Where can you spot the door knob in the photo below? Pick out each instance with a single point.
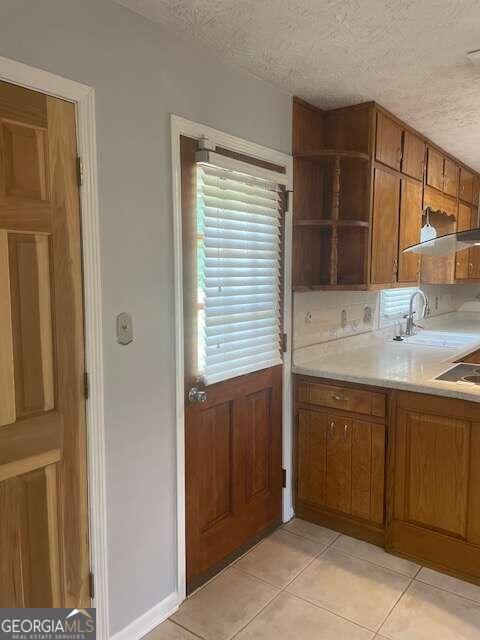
(196, 396)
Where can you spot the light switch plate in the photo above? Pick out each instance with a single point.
(124, 328)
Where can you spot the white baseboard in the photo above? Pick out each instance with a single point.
(149, 620)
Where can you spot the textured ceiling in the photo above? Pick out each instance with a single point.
(410, 56)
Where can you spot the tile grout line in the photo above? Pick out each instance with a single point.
(194, 633)
(452, 593)
(395, 604)
(281, 589)
(381, 566)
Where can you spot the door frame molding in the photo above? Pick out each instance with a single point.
(181, 126)
(84, 98)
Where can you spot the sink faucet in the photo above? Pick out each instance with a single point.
(410, 328)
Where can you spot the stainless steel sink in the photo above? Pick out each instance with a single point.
(462, 373)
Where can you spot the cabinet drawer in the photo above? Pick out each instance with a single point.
(336, 397)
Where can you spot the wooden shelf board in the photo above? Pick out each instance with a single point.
(331, 223)
(331, 287)
(325, 154)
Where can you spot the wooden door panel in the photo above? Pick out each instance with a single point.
(339, 463)
(466, 185)
(473, 530)
(25, 161)
(385, 227)
(450, 178)
(409, 234)
(437, 459)
(368, 470)
(434, 169)
(30, 294)
(258, 433)
(43, 487)
(30, 505)
(389, 141)
(473, 253)
(311, 466)
(462, 260)
(214, 442)
(7, 384)
(413, 158)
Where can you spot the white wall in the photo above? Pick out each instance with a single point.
(141, 74)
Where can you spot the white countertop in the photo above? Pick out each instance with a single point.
(399, 365)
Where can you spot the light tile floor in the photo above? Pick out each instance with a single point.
(306, 582)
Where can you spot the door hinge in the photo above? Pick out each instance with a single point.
(91, 585)
(284, 342)
(284, 478)
(86, 385)
(79, 163)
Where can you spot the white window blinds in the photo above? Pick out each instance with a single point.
(239, 261)
(394, 304)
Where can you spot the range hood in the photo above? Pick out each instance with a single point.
(447, 244)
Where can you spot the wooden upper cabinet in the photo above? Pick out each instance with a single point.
(435, 162)
(450, 178)
(410, 225)
(413, 158)
(466, 185)
(386, 199)
(389, 141)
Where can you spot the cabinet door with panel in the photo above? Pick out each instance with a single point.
(462, 258)
(413, 158)
(450, 178)
(386, 200)
(436, 511)
(474, 253)
(340, 464)
(389, 141)
(435, 162)
(466, 185)
(410, 225)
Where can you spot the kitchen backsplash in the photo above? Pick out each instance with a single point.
(322, 316)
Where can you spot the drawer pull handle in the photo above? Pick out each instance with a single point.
(345, 426)
(332, 426)
(338, 398)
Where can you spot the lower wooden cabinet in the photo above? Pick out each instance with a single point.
(424, 503)
(435, 515)
(340, 461)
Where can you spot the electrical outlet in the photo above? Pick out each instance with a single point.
(367, 315)
(343, 319)
(437, 301)
(308, 317)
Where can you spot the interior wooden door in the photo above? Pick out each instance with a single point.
(233, 438)
(43, 497)
(386, 201)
